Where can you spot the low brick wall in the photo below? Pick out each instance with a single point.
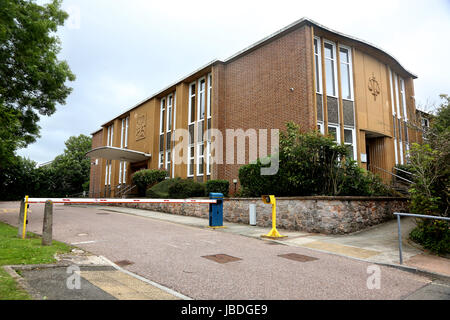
(329, 215)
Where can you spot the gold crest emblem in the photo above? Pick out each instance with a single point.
(140, 126)
(374, 87)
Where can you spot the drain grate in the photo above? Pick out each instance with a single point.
(297, 257)
(123, 263)
(221, 258)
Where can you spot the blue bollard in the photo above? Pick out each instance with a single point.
(216, 210)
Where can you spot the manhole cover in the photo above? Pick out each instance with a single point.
(102, 213)
(221, 258)
(123, 263)
(297, 257)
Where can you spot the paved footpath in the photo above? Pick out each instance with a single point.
(170, 250)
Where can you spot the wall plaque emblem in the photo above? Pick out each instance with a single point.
(141, 123)
(374, 87)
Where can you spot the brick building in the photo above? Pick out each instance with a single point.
(306, 73)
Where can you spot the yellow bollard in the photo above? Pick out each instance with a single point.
(273, 234)
(25, 218)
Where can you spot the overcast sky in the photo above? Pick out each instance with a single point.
(124, 51)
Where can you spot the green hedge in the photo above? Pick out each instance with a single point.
(160, 190)
(186, 188)
(432, 235)
(310, 164)
(146, 178)
(220, 186)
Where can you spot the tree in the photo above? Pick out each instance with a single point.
(71, 169)
(32, 79)
(66, 175)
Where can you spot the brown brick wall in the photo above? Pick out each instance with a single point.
(256, 90)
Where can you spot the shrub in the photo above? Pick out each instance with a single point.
(432, 235)
(310, 164)
(221, 186)
(147, 178)
(186, 188)
(160, 190)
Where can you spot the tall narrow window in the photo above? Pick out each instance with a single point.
(110, 137)
(162, 116)
(403, 99)
(318, 64)
(346, 73)
(201, 99)
(330, 68)
(208, 127)
(349, 141)
(122, 172)
(169, 112)
(396, 95)
(162, 122)
(192, 103)
(127, 123)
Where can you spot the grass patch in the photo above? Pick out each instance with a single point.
(15, 251)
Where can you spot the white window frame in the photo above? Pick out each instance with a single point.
(110, 137)
(169, 113)
(350, 70)
(167, 159)
(200, 163)
(321, 127)
(353, 144)
(338, 132)
(108, 173)
(396, 151)
(161, 116)
(336, 89)
(209, 96)
(191, 95)
(319, 64)
(401, 152)
(201, 95)
(403, 93)
(161, 160)
(189, 160)
(173, 133)
(394, 113)
(396, 93)
(127, 123)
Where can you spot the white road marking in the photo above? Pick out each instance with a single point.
(83, 242)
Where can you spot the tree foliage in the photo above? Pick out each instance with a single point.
(66, 175)
(310, 164)
(32, 79)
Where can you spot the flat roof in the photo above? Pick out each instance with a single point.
(258, 44)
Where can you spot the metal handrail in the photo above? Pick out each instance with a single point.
(126, 189)
(398, 214)
(392, 174)
(410, 173)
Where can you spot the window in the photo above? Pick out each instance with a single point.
(161, 160)
(346, 73)
(350, 141)
(167, 166)
(201, 99)
(425, 123)
(124, 133)
(403, 99)
(162, 116)
(334, 132)
(110, 137)
(330, 68)
(392, 95)
(320, 127)
(318, 63)
(108, 173)
(396, 151)
(169, 112)
(396, 95)
(122, 172)
(208, 105)
(192, 103)
(191, 161)
(200, 157)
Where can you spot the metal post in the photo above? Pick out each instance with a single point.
(21, 215)
(399, 238)
(47, 228)
(24, 229)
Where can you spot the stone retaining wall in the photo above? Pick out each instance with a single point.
(329, 215)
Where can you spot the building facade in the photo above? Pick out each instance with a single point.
(306, 73)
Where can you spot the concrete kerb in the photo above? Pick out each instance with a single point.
(157, 285)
